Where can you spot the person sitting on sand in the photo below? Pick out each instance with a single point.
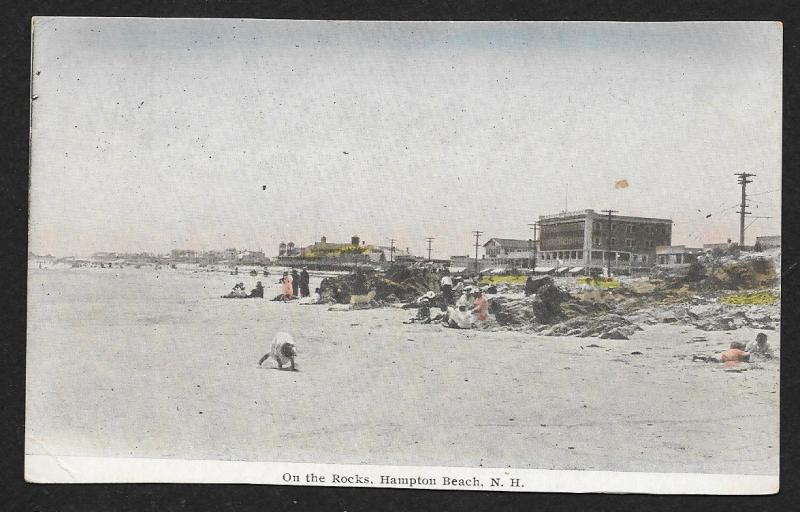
(760, 348)
(441, 315)
(466, 298)
(459, 318)
(423, 313)
(480, 306)
(237, 292)
(258, 291)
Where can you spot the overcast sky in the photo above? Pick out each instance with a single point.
(159, 134)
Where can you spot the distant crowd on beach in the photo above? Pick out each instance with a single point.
(295, 285)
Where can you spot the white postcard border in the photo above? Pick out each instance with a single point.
(72, 469)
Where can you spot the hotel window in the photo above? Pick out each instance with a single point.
(629, 242)
(613, 241)
(596, 241)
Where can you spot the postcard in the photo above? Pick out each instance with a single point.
(497, 256)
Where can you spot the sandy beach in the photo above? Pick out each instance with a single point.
(145, 363)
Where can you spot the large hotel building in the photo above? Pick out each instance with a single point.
(588, 240)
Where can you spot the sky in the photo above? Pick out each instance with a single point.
(160, 134)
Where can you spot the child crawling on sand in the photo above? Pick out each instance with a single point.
(282, 350)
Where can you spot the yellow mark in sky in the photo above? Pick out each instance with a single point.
(621, 184)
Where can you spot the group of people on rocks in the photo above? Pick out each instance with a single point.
(295, 285)
(455, 287)
(471, 308)
(738, 352)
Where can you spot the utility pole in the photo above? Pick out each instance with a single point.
(743, 181)
(391, 250)
(533, 226)
(477, 236)
(430, 241)
(608, 240)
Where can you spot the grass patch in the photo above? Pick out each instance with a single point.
(487, 280)
(599, 282)
(758, 298)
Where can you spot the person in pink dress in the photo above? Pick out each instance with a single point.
(480, 306)
(288, 291)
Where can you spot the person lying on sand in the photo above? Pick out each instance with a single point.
(314, 298)
(735, 354)
(760, 349)
(281, 350)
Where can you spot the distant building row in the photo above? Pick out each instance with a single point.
(356, 251)
(229, 256)
(585, 241)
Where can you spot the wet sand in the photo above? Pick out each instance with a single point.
(145, 363)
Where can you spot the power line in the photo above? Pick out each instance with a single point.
(765, 192)
(761, 201)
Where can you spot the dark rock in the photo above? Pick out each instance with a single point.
(613, 334)
(533, 284)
